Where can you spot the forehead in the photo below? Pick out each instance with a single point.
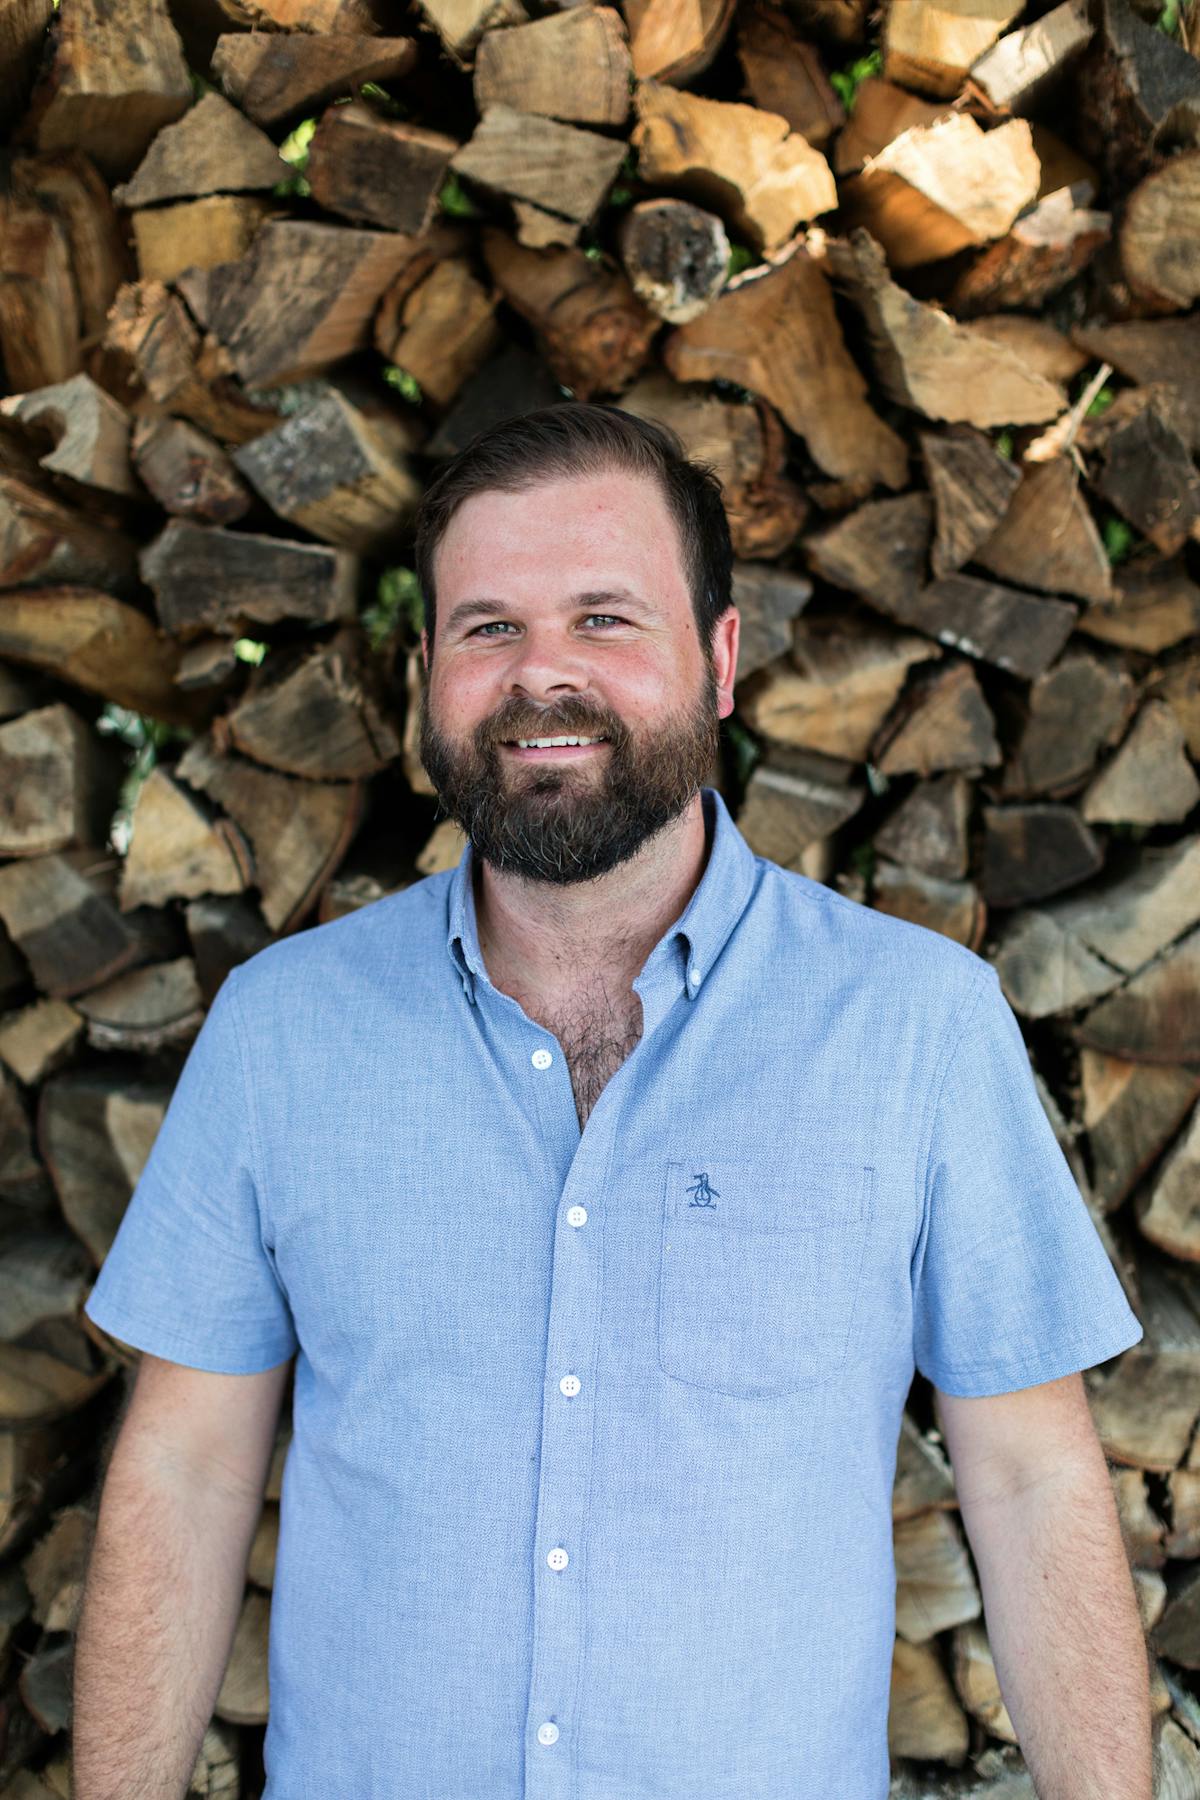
(577, 532)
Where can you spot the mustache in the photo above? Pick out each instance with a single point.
(507, 727)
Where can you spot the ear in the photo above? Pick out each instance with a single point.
(425, 648)
(724, 655)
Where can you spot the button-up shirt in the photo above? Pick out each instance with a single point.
(594, 1433)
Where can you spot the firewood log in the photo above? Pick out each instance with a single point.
(881, 112)
(796, 799)
(273, 76)
(302, 15)
(68, 188)
(673, 42)
(213, 149)
(188, 472)
(377, 171)
(87, 430)
(442, 330)
(839, 691)
(99, 644)
(176, 850)
(562, 170)
(736, 160)
(972, 486)
(1131, 1112)
(1047, 538)
(1154, 606)
(929, 45)
(59, 782)
(1077, 708)
(326, 719)
(1022, 65)
(205, 578)
(40, 324)
(1047, 247)
(43, 541)
(676, 256)
(954, 908)
(1035, 850)
(1159, 255)
(573, 65)
(928, 830)
(925, 1719)
(1150, 779)
(1167, 1215)
(22, 28)
(785, 75)
(942, 721)
(1155, 1017)
(147, 1008)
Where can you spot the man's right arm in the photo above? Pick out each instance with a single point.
(180, 1504)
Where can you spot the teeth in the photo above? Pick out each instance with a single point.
(551, 742)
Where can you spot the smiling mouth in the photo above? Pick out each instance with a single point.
(567, 743)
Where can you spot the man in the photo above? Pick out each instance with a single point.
(608, 1189)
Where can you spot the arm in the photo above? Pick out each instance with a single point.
(180, 1504)
(1059, 1603)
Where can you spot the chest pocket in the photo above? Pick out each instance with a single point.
(759, 1272)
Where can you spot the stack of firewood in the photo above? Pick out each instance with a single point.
(922, 286)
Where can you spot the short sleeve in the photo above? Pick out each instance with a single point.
(1012, 1285)
(188, 1276)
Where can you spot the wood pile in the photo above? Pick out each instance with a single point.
(922, 284)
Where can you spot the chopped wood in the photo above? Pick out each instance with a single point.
(273, 76)
(928, 830)
(1154, 606)
(839, 691)
(935, 1586)
(302, 15)
(972, 485)
(1155, 1017)
(1150, 780)
(879, 551)
(998, 624)
(676, 256)
(1145, 350)
(925, 1719)
(196, 234)
(65, 923)
(1168, 1217)
(145, 1009)
(561, 169)
(777, 333)
(954, 908)
(736, 160)
(924, 360)
(207, 579)
(937, 189)
(929, 45)
(769, 599)
(1159, 242)
(353, 493)
(177, 850)
(40, 324)
(461, 23)
(594, 332)
(1047, 247)
(1044, 969)
(573, 65)
(976, 1681)
(1131, 1112)
(244, 1695)
(213, 149)
(444, 329)
(326, 719)
(302, 296)
(1077, 708)
(42, 540)
(298, 830)
(1041, 347)
(1149, 476)
(188, 472)
(795, 799)
(880, 113)
(377, 171)
(70, 189)
(1048, 539)
(117, 78)
(59, 782)
(1017, 69)
(675, 40)
(87, 430)
(38, 1039)
(1033, 851)
(785, 75)
(22, 30)
(99, 644)
(1137, 94)
(941, 722)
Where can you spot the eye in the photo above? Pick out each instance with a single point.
(492, 623)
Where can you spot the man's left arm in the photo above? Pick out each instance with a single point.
(1060, 1607)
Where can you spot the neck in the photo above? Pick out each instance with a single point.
(551, 939)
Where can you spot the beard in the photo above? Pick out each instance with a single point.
(558, 822)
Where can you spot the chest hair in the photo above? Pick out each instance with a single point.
(597, 1031)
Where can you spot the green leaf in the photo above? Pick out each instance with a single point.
(454, 200)
(739, 258)
(397, 601)
(404, 383)
(1101, 403)
(1119, 538)
(1004, 444)
(846, 82)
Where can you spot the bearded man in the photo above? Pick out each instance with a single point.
(607, 1190)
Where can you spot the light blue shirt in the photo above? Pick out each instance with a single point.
(589, 1493)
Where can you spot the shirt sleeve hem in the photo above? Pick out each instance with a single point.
(140, 1334)
(975, 1381)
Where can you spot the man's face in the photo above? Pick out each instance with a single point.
(565, 610)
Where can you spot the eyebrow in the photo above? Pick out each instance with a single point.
(479, 607)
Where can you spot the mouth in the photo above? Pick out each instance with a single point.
(562, 744)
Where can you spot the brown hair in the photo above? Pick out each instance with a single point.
(577, 437)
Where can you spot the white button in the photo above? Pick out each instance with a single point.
(694, 975)
(570, 1384)
(547, 1733)
(541, 1059)
(558, 1558)
(577, 1215)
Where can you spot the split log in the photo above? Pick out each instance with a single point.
(671, 41)
(953, 908)
(1155, 605)
(1137, 94)
(736, 160)
(38, 1039)
(1159, 252)
(176, 850)
(116, 79)
(302, 15)
(442, 330)
(1045, 249)
(880, 113)
(1155, 1017)
(59, 782)
(298, 830)
(925, 1719)
(273, 77)
(1048, 539)
(1149, 476)
(1168, 1215)
(146, 1009)
(22, 29)
(796, 799)
(1078, 708)
(928, 830)
(207, 579)
(461, 23)
(1021, 67)
(976, 1681)
(1043, 349)
(377, 171)
(777, 334)
(43, 541)
(1031, 852)
(326, 718)
(926, 361)
(942, 721)
(972, 485)
(1150, 780)
(1145, 1410)
(188, 472)
(98, 644)
(559, 169)
(935, 1585)
(594, 332)
(196, 234)
(676, 256)
(1131, 1112)
(769, 600)
(785, 75)
(573, 65)
(40, 325)
(70, 190)
(937, 189)
(302, 296)
(87, 430)
(213, 149)
(354, 493)
(58, 912)
(930, 45)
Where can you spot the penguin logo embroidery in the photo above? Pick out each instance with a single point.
(703, 1195)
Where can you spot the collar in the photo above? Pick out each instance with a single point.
(693, 943)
